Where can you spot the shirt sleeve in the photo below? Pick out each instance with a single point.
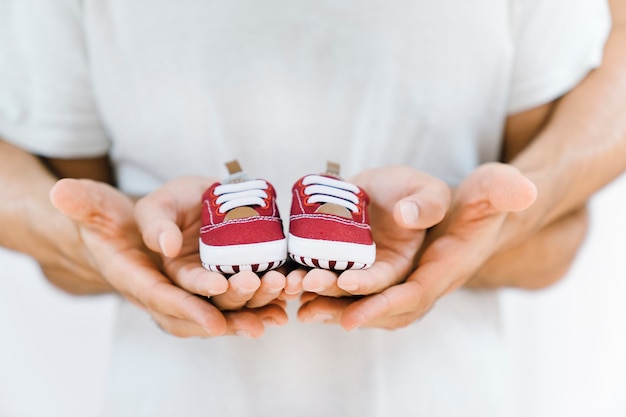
(557, 43)
(46, 101)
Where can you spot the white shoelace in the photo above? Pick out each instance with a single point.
(239, 194)
(322, 189)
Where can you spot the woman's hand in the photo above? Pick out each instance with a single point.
(169, 220)
(106, 224)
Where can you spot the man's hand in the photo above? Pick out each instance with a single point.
(539, 261)
(106, 225)
(456, 249)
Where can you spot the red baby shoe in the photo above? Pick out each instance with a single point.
(241, 227)
(329, 225)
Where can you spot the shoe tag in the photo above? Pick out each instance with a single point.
(236, 173)
(332, 169)
(233, 167)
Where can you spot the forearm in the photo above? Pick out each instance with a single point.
(31, 225)
(583, 146)
(24, 187)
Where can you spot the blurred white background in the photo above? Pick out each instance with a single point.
(567, 343)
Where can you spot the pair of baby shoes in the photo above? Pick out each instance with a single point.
(242, 229)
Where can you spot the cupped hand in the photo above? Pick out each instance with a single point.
(404, 202)
(105, 220)
(169, 220)
(455, 249)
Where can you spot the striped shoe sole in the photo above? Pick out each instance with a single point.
(233, 269)
(328, 264)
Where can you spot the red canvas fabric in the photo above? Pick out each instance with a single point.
(306, 223)
(216, 231)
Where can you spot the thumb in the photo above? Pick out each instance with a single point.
(417, 200)
(426, 202)
(422, 210)
(493, 188)
(162, 214)
(91, 203)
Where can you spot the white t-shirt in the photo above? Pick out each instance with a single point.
(172, 88)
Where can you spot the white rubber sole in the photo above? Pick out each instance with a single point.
(256, 257)
(333, 255)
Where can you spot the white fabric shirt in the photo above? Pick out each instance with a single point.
(173, 88)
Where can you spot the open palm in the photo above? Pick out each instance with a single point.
(105, 219)
(455, 250)
(404, 202)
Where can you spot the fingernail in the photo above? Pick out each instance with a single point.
(409, 211)
(321, 318)
(245, 292)
(162, 243)
(270, 321)
(350, 287)
(358, 322)
(243, 333)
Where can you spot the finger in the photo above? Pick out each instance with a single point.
(308, 296)
(272, 314)
(135, 276)
(322, 282)
(91, 203)
(323, 309)
(415, 297)
(272, 283)
(251, 323)
(330, 311)
(245, 324)
(381, 275)
(191, 276)
(163, 213)
(419, 203)
(495, 187)
(293, 284)
(399, 299)
(161, 297)
(392, 322)
(241, 288)
(426, 207)
(179, 327)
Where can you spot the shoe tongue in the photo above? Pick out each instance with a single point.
(235, 178)
(241, 213)
(334, 209)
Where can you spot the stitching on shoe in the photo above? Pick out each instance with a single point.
(340, 220)
(299, 200)
(208, 227)
(208, 206)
